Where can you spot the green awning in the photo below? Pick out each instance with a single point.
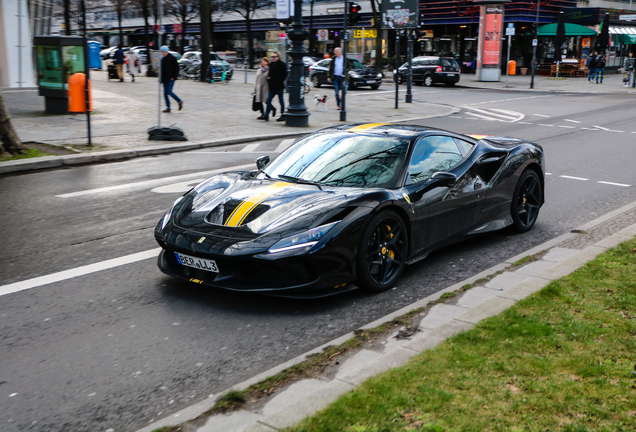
(626, 39)
(570, 30)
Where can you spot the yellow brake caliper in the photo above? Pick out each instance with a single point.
(389, 252)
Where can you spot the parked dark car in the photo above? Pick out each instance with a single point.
(429, 70)
(359, 76)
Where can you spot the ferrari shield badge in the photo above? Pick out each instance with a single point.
(201, 240)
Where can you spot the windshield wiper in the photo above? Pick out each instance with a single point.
(298, 180)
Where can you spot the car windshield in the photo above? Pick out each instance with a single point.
(343, 160)
(215, 56)
(356, 64)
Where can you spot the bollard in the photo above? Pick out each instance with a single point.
(512, 67)
(77, 92)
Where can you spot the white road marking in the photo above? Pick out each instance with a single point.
(614, 184)
(541, 115)
(284, 144)
(572, 121)
(524, 122)
(548, 173)
(141, 184)
(541, 124)
(606, 129)
(76, 272)
(573, 178)
(567, 127)
(494, 114)
(480, 116)
(180, 187)
(250, 147)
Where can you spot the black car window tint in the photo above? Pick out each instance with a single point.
(464, 146)
(214, 56)
(356, 64)
(432, 154)
(324, 63)
(343, 160)
(430, 62)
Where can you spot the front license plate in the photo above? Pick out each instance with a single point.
(199, 263)
(370, 82)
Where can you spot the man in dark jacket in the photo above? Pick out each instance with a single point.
(591, 67)
(276, 83)
(169, 74)
(119, 62)
(600, 66)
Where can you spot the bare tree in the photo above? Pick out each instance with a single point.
(120, 7)
(246, 9)
(185, 11)
(10, 144)
(377, 22)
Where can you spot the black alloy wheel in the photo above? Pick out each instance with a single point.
(382, 253)
(428, 80)
(315, 81)
(526, 201)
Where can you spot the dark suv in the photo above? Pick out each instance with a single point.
(359, 75)
(429, 70)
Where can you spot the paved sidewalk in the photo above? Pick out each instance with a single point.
(504, 285)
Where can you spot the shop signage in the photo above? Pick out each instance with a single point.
(401, 14)
(177, 28)
(366, 34)
(627, 17)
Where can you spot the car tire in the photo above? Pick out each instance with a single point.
(382, 252)
(428, 80)
(315, 81)
(526, 201)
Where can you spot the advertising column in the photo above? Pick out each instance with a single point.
(491, 19)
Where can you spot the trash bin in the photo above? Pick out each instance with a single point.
(77, 93)
(94, 59)
(512, 67)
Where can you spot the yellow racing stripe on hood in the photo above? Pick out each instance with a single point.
(242, 210)
(364, 127)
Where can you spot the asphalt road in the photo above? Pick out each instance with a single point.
(118, 348)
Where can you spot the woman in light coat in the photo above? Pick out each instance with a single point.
(261, 88)
(134, 64)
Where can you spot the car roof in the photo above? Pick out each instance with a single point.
(402, 130)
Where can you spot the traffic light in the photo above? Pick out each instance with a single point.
(354, 13)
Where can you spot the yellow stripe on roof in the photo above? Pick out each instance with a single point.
(242, 210)
(364, 127)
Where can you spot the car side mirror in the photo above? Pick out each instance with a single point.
(262, 162)
(439, 179)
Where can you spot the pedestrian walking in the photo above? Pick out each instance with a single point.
(276, 86)
(169, 74)
(261, 89)
(134, 65)
(338, 72)
(591, 66)
(600, 67)
(119, 62)
(628, 69)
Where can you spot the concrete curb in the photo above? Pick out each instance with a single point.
(440, 322)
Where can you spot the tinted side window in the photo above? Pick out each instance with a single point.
(324, 63)
(356, 64)
(449, 62)
(464, 146)
(432, 154)
(430, 62)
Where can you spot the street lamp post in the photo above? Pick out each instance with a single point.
(534, 44)
(297, 114)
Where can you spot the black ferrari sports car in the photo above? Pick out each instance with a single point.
(349, 206)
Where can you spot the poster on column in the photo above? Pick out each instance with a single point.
(493, 25)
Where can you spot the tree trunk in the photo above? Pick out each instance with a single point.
(67, 17)
(250, 41)
(121, 31)
(146, 13)
(9, 141)
(184, 41)
(378, 39)
(312, 38)
(205, 38)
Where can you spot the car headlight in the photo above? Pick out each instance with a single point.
(303, 240)
(378, 76)
(354, 75)
(168, 215)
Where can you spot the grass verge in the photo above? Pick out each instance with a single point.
(31, 153)
(560, 360)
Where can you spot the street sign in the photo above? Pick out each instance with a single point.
(510, 30)
(323, 35)
(534, 42)
(627, 17)
(335, 11)
(284, 9)
(402, 14)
